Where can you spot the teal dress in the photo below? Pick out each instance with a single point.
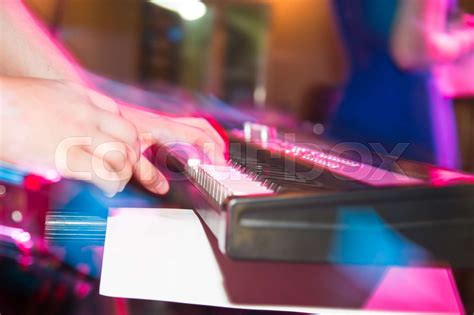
(386, 105)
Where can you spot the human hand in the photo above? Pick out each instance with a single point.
(167, 131)
(50, 125)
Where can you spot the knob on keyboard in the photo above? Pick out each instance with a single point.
(258, 132)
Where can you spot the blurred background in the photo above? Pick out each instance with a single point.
(269, 54)
(278, 57)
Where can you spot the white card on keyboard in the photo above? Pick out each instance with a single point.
(167, 255)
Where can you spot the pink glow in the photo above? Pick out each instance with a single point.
(18, 235)
(441, 177)
(416, 290)
(121, 306)
(25, 260)
(32, 183)
(37, 179)
(82, 289)
(84, 268)
(21, 237)
(468, 20)
(52, 176)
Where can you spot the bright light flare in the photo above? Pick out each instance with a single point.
(194, 162)
(189, 10)
(21, 237)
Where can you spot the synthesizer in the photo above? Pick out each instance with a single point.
(282, 201)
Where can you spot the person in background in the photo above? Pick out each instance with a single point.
(44, 103)
(391, 96)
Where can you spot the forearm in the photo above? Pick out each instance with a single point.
(448, 46)
(27, 50)
(422, 35)
(9, 116)
(430, 47)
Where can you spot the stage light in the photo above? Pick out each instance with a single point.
(17, 216)
(189, 10)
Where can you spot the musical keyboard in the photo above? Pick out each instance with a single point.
(281, 201)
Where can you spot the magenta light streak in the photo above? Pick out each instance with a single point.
(20, 236)
(442, 177)
(416, 290)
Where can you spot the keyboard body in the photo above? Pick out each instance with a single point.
(318, 205)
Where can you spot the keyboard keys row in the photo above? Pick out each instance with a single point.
(221, 182)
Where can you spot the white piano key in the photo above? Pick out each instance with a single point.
(221, 182)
